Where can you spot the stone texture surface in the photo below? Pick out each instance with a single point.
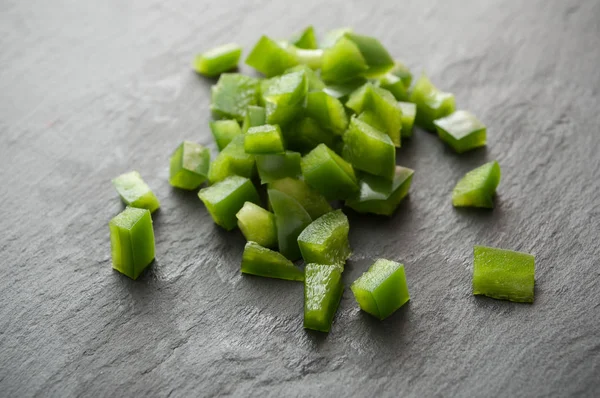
(89, 90)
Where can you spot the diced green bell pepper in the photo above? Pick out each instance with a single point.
(135, 192)
(331, 37)
(461, 130)
(224, 199)
(218, 60)
(255, 116)
(327, 111)
(311, 58)
(270, 58)
(232, 94)
(342, 91)
(265, 139)
(370, 150)
(314, 82)
(233, 160)
(374, 53)
(409, 111)
(503, 274)
(132, 241)
(313, 202)
(291, 219)
(328, 173)
(284, 97)
(382, 289)
(379, 195)
(258, 260)
(277, 166)
(394, 85)
(189, 165)
(224, 131)
(325, 240)
(403, 73)
(257, 225)
(478, 187)
(342, 62)
(369, 117)
(323, 290)
(306, 39)
(431, 103)
(304, 134)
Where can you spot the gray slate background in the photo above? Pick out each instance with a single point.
(89, 90)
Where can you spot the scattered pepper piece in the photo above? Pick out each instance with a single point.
(313, 202)
(277, 166)
(306, 39)
(291, 219)
(265, 139)
(323, 290)
(258, 260)
(431, 103)
(189, 165)
(255, 116)
(342, 62)
(325, 240)
(270, 58)
(461, 130)
(135, 192)
(218, 60)
(409, 111)
(223, 131)
(478, 187)
(327, 111)
(233, 160)
(257, 225)
(374, 53)
(232, 94)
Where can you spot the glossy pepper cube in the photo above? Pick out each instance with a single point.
(233, 160)
(382, 289)
(304, 134)
(325, 240)
(313, 202)
(306, 39)
(189, 165)
(342, 62)
(218, 60)
(257, 225)
(394, 85)
(431, 103)
(277, 166)
(409, 111)
(314, 82)
(265, 139)
(224, 199)
(258, 260)
(232, 94)
(323, 290)
(270, 58)
(328, 173)
(374, 53)
(224, 131)
(135, 192)
(503, 274)
(255, 116)
(291, 219)
(132, 241)
(461, 130)
(403, 73)
(478, 187)
(329, 112)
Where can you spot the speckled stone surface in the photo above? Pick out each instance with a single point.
(89, 90)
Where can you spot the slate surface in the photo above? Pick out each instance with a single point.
(92, 89)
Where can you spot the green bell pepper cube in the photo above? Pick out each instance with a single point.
(255, 116)
(233, 160)
(306, 39)
(327, 111)
(258, 260)
(370, 150)
(218, 60)
(257, 225)
(283, 115)
(331, 37)
(224, 199)
(311, 58)
(189, 165)
(342, 62)
(369, 117)
(379, 195)
(135, 192)
(265, 139)
(325, 240)
(382, 289)
(409, 111)
(328, 173)
(342, 91)
(287, 89)
(313, 202)
(503, 274)
(223, 131)
(461, 130)
(132, 241)
(232, 94)
(478, 187)
(291, 219)
(277, 166)
(431, 103)
(403, 73)
(304, 134)
(323, 290)
(314, 82)
(394, 85)
(376, 56)
(271, 58)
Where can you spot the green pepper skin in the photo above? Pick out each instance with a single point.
(394, 85)
(323, 290)
(291, 219)
(328, 173)
(304, 134)
(135, 192)
(381, 196)
(284, 97)
(503, 274)
(342, 91)
(262, 140)
(342, 62)
(255, 116)
(376, 56)
(331, 37)
(462, 131)
(431, 103)
(270, 58)
(132, 241)
(277, 166)
(478, 187)
(382, 289)
(409, 111)
(400, 70)
(224, 131)
(218, 60)
(327, 111)
(232, 94)
(260, 261)
(224, 199)
(188, 166)
(257, 225)
(313, 202)
(307, 39)
(314, 82)
(325, 240)
(233, 160)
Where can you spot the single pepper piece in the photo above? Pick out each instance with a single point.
(503, 274)
(329, 112)
(132, 241)
(323, 290)
(270, 57)
(135, 192)
(258, 260)
(409, 111)
(331, 37)
(382, 289)
(189, 165)
(328, 173)
(218, 60)
(379, 195)
(224, 199)
(461, 130)
(232, 94)
(431, 103)
(277, 166)
(291, 219)
(255, 116)
(313, 202)
(224, 131)
(403, 73)
(342, 62)
(342, 91)
(478, 187)
(325, 240)
(284, 97)
(265, 139)
(233, 160)
(311, 58)
(306, 39)
(376, 56)
(314, 82)
(305, 133)
(370, 150)
(394, 85)
(257, 225)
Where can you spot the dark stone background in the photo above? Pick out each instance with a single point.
(93, 89)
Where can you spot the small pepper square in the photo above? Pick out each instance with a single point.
(134, 191)
(462, 131)
(323, 290)
(189, 165)
(325, 240)
(328, 173)
(265, 139)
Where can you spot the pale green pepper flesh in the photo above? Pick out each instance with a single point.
(325, 240)
(232, 94)
(409, 111)
(342, 62)
(277, 166)
(369, 149)
(218, 60)
(374, 53)
(291, 219)
(461, 130)
(284, 97)
(255, 116)
(265, 139)
(329, 112)
(135, 192)
(323, 290)
(305, 134)
(394, 85)
(224, 131)
(257, 225)
(233, 160)
(313, 202)
(403, 73)
(431, 103)
(307, 39)
(258, 260)
(314, 82)
(270, 58)
(188, 166)
(478, 187)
